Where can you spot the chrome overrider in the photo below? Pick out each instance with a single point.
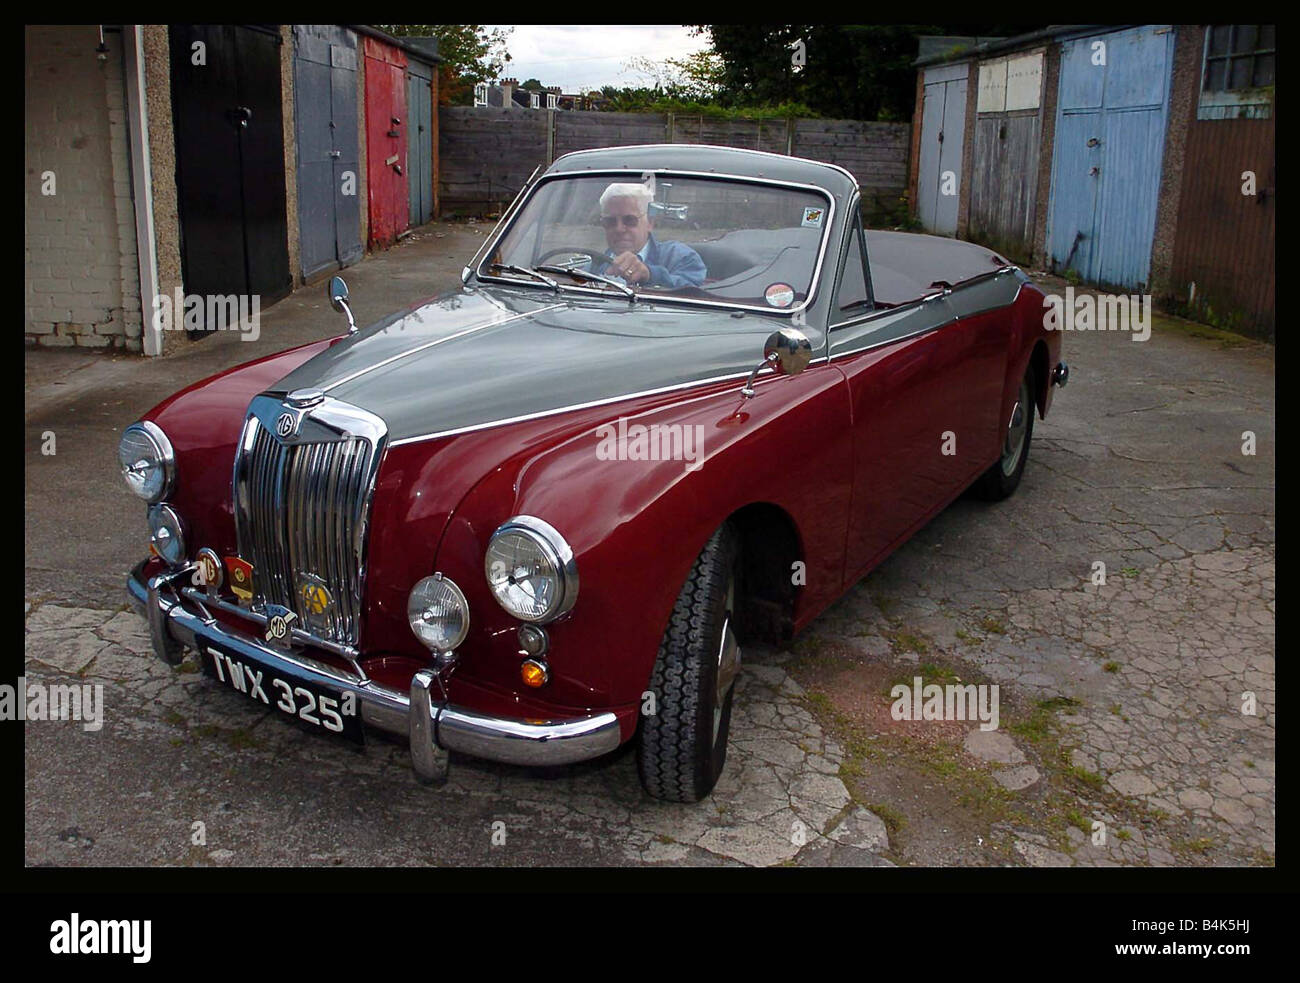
(179, 618)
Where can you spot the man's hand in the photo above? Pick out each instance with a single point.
(629, 266)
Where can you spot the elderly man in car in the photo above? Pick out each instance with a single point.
(635, 255)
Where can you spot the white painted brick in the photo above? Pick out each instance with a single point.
(93, 341)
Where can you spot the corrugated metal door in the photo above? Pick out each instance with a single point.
(325, 89)
(419, 153)
(386, 141)
(229, 129)
(1110, 132)
(943, 125)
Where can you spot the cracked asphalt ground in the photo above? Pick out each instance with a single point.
(1122, 703)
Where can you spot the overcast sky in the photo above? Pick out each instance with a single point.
(587, 56)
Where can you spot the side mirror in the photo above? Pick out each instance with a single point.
(787, 351)
(337, 291)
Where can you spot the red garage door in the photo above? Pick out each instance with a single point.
(385, 141)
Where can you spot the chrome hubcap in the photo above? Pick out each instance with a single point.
(728, 659)
(1014, 445)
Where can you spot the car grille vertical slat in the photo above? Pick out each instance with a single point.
(302, 512)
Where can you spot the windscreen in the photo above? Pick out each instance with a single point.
(730, 241)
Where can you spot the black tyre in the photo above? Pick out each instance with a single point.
(683, 745)
(1000, 480)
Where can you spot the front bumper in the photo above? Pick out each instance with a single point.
(178, 619)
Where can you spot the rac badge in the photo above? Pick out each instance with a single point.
(279, 625)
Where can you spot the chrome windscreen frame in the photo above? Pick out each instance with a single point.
(531, 189)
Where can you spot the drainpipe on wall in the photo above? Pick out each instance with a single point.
(141, 185)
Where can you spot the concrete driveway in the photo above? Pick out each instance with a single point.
(1123, 701)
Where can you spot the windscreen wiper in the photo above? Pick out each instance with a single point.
(585, 275)
(527, 272)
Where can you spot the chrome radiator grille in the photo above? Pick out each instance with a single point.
(301, 510)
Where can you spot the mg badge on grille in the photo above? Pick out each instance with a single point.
(279, 625)
(315, 601)
(286, 424)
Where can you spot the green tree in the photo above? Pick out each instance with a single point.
(851, 71)
(470, 54)
(533, 85)
(695, 78)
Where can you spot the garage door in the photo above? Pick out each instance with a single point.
(1110, 133)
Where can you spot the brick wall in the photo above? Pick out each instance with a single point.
(82, 281)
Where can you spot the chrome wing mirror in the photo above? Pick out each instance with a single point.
(337, 291)
(787, 351)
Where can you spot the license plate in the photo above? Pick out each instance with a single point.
(329, 710)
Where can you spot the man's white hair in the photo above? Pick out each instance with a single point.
(638, 192)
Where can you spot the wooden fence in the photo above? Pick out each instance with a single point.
(486, 154)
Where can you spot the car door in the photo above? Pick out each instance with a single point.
(888, 356)
(969, 363)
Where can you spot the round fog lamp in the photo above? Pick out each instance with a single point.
(166, 535)
(438, 613)
(532, 639)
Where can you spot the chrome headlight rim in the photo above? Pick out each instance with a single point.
(548, 538)
(166, 457)
(458, 596)
(162, 514)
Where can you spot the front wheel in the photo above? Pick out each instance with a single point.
(1000, 480)
(683, 745)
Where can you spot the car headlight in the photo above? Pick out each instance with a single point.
(530, 570)
(166, 534)
(438, 613)
(148, 463)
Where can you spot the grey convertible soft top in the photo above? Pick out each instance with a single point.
(905, 264)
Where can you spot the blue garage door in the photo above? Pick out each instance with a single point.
(1110, 134)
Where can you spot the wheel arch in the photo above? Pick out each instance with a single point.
(770, 548)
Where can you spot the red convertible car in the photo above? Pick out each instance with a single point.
(682, 401)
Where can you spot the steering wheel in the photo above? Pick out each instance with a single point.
(596, 258)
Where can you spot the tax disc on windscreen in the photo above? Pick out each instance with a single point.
(779, 295)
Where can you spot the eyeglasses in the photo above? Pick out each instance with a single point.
(629, 221)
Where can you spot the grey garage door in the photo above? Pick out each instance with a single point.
(943, 124)
(329, 178)
(419, 144)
